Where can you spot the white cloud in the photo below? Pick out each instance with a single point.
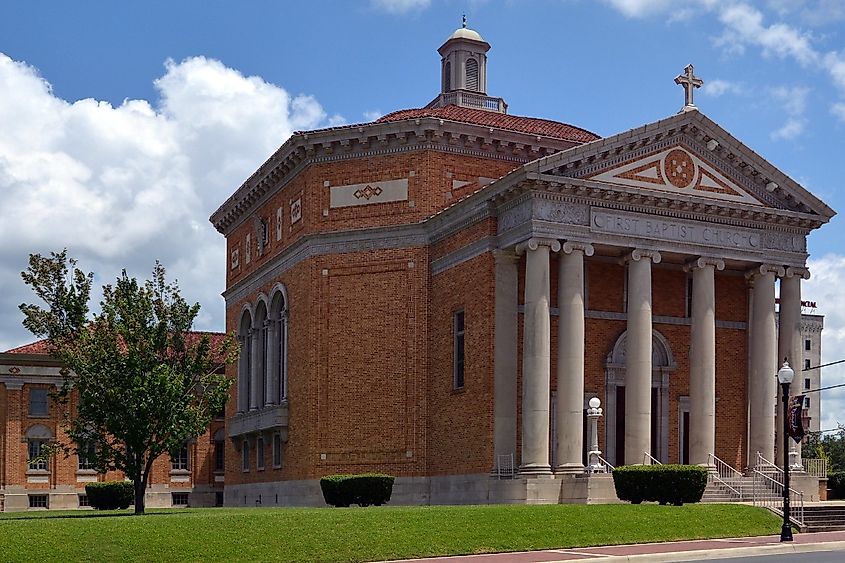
(824, 287)
(792, 98)
(372, 115)
(123, 186)
(791, 129)
(838, 110)
(718, 87)
(400, 6)
(744, 26)
(677, 10)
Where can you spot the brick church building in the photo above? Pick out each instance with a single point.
(442, 290)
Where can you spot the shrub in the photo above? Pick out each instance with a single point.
(673, 484)
(836, 484)
(363, 490)
(110, 495)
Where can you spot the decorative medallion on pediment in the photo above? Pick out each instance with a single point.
(676, 169)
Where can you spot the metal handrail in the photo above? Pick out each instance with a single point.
(775, 489)
(724, 474)
(647, 455)
(815, 467)
(604, 461)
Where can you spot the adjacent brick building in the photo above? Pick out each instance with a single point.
(29, 419)
(437, 294)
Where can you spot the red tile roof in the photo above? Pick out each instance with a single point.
(42, 347)
(531, 125)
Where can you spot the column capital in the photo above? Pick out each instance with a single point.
(797, 272)
(571, 246)
(639, 253)
(505, 256)
(764, 269)
(704, 261)
(536, 242)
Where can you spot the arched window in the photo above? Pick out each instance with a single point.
(279, 336)
(220, 451)
(447, 77)
(37, 437)
(472, 75)
(260, 359)
(245, 362)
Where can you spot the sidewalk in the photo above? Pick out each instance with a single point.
(669, 551)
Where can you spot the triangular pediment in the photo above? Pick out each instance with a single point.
(676, 169)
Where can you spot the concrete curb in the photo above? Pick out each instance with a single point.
(721, 553)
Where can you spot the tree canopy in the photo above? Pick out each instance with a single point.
(140, 384)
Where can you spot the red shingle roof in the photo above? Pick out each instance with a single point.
(531, 125)
(42, 347)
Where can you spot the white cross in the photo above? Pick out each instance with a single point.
(689, 81)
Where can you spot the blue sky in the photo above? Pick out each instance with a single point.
(124, 125)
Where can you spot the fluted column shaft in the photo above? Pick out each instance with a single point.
(505, 353)
(638, 360)
(536, 358)
(762, 384)
(703, 360)
(570, 358)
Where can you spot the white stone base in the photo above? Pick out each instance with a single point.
(451, 489)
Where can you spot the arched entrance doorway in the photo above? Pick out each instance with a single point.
(663, 364)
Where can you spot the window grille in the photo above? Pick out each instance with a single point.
(38, 402)
(180, 499)
(38, 501)
(34, 450)
(179, 459)
(458, 350)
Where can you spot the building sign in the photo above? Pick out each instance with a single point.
(690, 232)
(368, 194)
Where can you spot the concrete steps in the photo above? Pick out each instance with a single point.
(824, 518)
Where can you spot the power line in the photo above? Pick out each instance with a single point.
(824, 365)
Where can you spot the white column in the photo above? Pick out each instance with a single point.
(638, 352)
(762, 381)
(570, 358)
(505, 353)
(536, 358)
(702, 392)
(790, 348)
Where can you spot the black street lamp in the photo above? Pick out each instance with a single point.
(785, 375)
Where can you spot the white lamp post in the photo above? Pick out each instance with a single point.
(785, 375)
(593, 414)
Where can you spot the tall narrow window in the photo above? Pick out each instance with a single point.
(689, 296)
(245, 362)
(447, 77)
(179, 459)
(245, 456)
(38, 402)
(260, 359)
(34, 448)
(259, 454)
(806, 364)
(219, 451)
(458, 350)
(806, 402)
(86, 456)
(807, 344)
(806, 383)
(472, 75)
(278, 344)
(277, 450)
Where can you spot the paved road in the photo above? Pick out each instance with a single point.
(835, 556)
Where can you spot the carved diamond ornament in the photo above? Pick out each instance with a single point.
(676, 169)
(368, 192)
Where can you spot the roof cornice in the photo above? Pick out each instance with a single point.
(372, 139)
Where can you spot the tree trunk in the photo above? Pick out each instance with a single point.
(140, 491)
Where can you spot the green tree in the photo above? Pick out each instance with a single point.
(138, 383)
(829, 446)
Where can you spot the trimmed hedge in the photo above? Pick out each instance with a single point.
(666, 484)
(363, 490)
(110, 495)
(836, 484)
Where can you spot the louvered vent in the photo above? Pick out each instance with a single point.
(447, 77)
(472, 75)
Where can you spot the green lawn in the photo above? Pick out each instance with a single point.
(359, 534)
